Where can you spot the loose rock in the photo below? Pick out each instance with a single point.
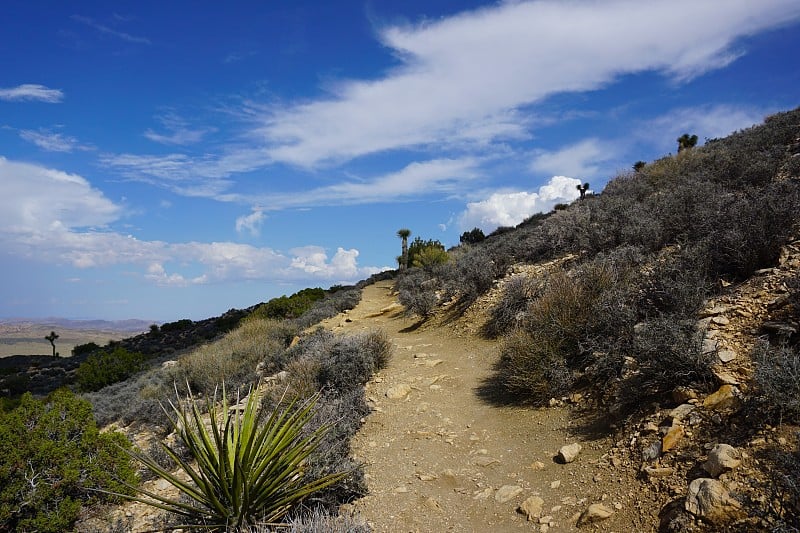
(722, 458)
(507, 492)
(532, 508)
(398, 392)
(710, 500)
(723, 398)
(594, 513)
(569, 452)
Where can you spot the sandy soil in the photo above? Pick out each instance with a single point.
(442, 458)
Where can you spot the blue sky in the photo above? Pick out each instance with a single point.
(166, 160)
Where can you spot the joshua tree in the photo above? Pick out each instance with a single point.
(583, 188)
(404, 234)
(686, 141)
(52, 338)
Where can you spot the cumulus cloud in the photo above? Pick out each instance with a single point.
(35, 198)
(461, 78)
(585, 159)
(31, 91)
(343, 265)
(251, 223)
(511, 208)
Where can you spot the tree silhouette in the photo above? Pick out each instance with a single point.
(52, 338)
(639, 165)
(404, 233)
(583, 188)
(686, 141)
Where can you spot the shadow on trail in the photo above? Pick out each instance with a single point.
(588, 423)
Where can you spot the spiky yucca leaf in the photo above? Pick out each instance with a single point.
(246, 472)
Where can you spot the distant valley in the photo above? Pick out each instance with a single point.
(26, 336)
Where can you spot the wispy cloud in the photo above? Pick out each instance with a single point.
(53, 142)
(31, 91)
(461, 76)
(586, 159)
(251, 223)
(179, 132)
(707, 121)
(511, 208)
(110, 31)
(415, 180)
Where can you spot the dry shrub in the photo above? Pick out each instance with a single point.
(234, 357)
(508, 313)
(533, 368)
(777, 380)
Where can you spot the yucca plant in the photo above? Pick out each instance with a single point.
(242, 472)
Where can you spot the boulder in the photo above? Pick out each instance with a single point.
(710, 500)
(722, 458)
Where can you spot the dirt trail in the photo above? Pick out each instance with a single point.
(440, 458)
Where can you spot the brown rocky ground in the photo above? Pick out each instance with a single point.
(439, 457)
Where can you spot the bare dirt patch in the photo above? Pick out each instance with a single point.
(441, 457)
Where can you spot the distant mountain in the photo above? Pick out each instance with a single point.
(132, 325)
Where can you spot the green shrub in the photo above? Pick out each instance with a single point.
(177, 326)
(105, 368)
(289, 306)
(81, 349)
(53, 460)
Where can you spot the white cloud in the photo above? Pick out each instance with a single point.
(461, 78)
(509, 209)
(343, 266)
(31, 91)
(709, 121)
(35, 198)
(584, 159)
(415, 179)
(52, 216)
(106, 30)
(251, 223)
(179, 131)
(52, 142)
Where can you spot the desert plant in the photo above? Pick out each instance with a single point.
(686, 141)
(532, 367)
(777, 380)
(53, 460)
(107, 367)
(474, 236)
(246, 473)
(404, 234)
(417, 292)
(51, 338)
